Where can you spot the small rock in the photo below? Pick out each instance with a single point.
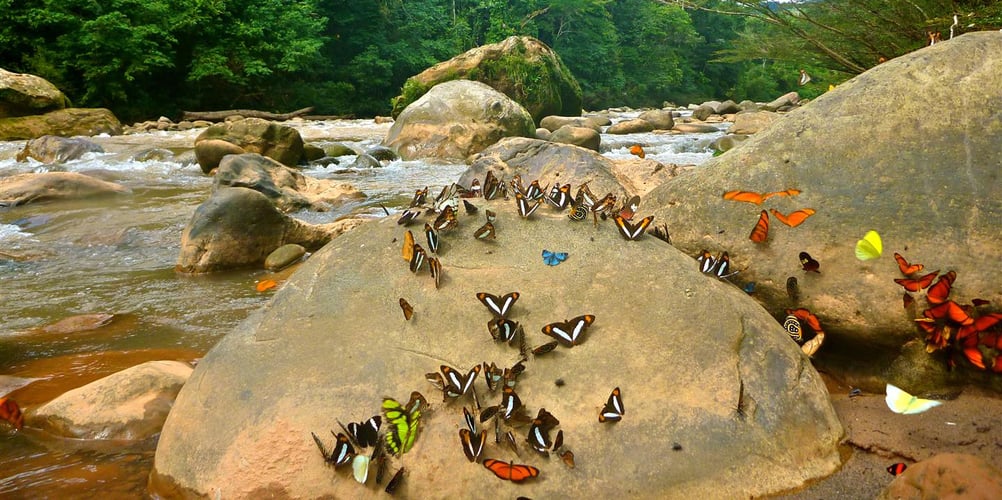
(578, 136)
(382, 153)
(210, 152)
(284, 256)
(311, 152)
(636, 126)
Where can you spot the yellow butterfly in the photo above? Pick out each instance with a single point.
(870, 247)
(900, 401)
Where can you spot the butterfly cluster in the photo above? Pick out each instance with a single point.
(793, 326)
(399, 435)
(719, 266)
(760, 233)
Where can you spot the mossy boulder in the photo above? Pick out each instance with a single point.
(23, 95)
(523, 68)
(63, 122)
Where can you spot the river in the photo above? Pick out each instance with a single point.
(115, 256)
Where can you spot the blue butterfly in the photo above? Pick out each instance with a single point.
(553, 258)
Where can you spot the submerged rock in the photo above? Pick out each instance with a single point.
(54, 149)
(699, 365)
(27, 188)
(284, 256)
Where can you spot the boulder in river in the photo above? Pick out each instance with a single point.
(929, 187)
(22, 94)
(288, 189)
(752, 122)
(237, 228)
(210, 152)
(719, 402)
(521, 67)
(585, 137)
(27, 188)
(62, 122)
(255, 135)
(55, 149)
(660, 119)
(456, 119)
(128, 405)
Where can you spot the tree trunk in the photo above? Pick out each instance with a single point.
(218, 116)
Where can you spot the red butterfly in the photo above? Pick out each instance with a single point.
(939, 291)
(950, 310)
(511, 471)
(10, 412)
(896, 469)
(761, 230)
(906, 268)
(914, 285)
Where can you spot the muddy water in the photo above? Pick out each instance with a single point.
(110, 261)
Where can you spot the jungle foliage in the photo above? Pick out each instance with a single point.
(145, 58)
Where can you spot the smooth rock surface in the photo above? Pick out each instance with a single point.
(21, 189)
(684, 350)
(284, 256)
(931, 189)
(55, 149)
(129, 405)
(949, 475)
(288, 189)
(579, 136)
(67, 122)
(23, 94)
(210, 152)
(752, 122)
(254, 135)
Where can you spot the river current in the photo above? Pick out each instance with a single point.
(115, 257)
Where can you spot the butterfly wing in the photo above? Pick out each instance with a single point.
(870, 247)
(432, 236)
(795, 218)
(761, 230)
(914, 285)
(499, 306)
(406, 308)
(613, 409)
(901, 402)
(417, 260)
(940, 291)
(746, 196)
(407, 252)
(906, 268)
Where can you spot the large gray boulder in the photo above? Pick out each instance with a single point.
(23, 95)
(456, 119)
(699, 365)
(523, 68)
(253, 135)
(27, 188)
(866, 155)
(67, 122)
(288, 189)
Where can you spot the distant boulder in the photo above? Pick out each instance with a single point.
(523, 68)
(27, 188)
(24, 95)
(585, 137)
(288, 189)
(63, 122)
(55, 149)
(254, 135)
(660, 119)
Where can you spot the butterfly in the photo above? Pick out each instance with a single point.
(706, 261)
(539, 431)
(473, 443)
(746, 196)
(471, 208)
(340, 454)
(613, 410)
(553, 258)
(11, 412)
(510, 470)
(534, 192)
(906, 268)
(364, 434)
(407, 252)
(812, 345)
(486, 232)
(795, 218)
(584, 196)
(792, 288)
(568, 457)
(525, 209)
(406, 307)
(870, 247)
(951, 310)
(403, 422)
(447, 198)
(559, 197)
(492, 374)
(545, 348)
(419, 197)
(418, 258)
(939, 291)
(455, 383)
(407, 217)
(761, 230)
(578, 213)
(391, 487)
(446, 219)
(630, 208)
(265, 285)
(638, 150)
(901, 402)
(785, 192)
(491, 216)
(516, 185)
(435, 267)
(432, 236)
(808, 263)
(569, 331)
(503, 330)
(510, 403)
(792, 326)
(914, 285)
(896, 469)
(604, 205)
(661, 233)
(722, 268)
(632, 231)
(491, 188)
(499, 306)
(360, 468)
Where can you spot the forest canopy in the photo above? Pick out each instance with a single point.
(145, 58)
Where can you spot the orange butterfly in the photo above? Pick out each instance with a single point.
(407, 309)
(510, 471)
(906, 268)
(10, 412)
(638, 150)
(747, 196)
(795, 218)
(950, 310)
(914, 285)
(939, 291)
(807, 317)
(407, 252)
(788, 192)
(761, 230)
(265, 285)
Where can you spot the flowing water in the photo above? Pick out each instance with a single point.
(110, 261)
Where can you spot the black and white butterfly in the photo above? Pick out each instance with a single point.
(613, 410)
(492, 186)
(499, 306)
(473, 443)
(419, 197)
(584, 197)
(559, 196)
(534, 192)
(448, 197)
(446, 219)
(455, 383)
(432, 236)
(485, 232)
(569, 332)
(503, 330)
(340, 454)
(510, 404)
(524, 206)
(408, 216)
(722, 268)
(417, 260)
(632, 231)
(539, 431)
(365, 434)
(493, 375)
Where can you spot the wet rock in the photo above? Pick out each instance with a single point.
(578, 136)
(53, 149)
(660, 119)
(237, 228)
(636, 126)
(364, 161)
(703, 111)
(784, 101)
(254, 135)
(64, 122)
(552, 123)
(284, 256)
(337, 149)
(33, 188)
(728, 142)
(456, 119)
(78, 323)
(523, 68)
(695, 128)
(949, 475)
(939, 204)
(713, 349)
(210, 152)
(312, 153)
(22, 94)
(382, 153)
(288, 189)
(752, 122)
(128, 405)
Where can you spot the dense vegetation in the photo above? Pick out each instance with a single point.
(143, 58)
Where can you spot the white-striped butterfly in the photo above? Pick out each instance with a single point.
(485, 232)
(493, 376)
(503, 330)
(605, 204)
(432, 236)
(516, 185)
(706, 261)
(510, 403)
(448, 197)
(492, 186)
(525, 208)
(559, 196)
(584, 196)
(435, 267)
(613, 410)
(419, 197)
(455, 383)
(499, 306)
(417, 260)
(722, 268)
(569, 332)
(539, 431)
(365, 434)
(632, 231)
(534, 192)
(474, 191)
(473, 443)
(408, 216)
(446, 219)
(491, 216)
(340, 453)
(553, 258)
